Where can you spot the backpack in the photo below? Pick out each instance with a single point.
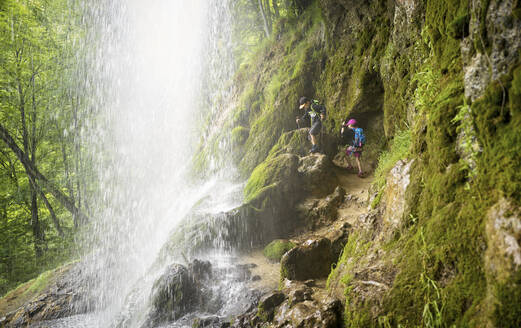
(316, 107)
(359, 132)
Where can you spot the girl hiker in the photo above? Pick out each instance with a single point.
(357, 145)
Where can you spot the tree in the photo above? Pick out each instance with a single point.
(37, 55)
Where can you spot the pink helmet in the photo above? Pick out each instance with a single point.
(351, 122)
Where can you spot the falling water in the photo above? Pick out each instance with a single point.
(153, 73)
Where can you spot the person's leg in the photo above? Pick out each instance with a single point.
(313, 139)
(313, 132)
(357, 156)
(358, 163)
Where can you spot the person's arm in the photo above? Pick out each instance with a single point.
(299, 119)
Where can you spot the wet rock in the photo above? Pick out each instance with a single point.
(338, 238)
(329, 207)
(300, 295)
(503, 40)
(209, 322)
(66, 295)
(200, 270)
(267, 305)
(394, 200)
(318, 212)
(174, 294)
(503, 228)
(309, 313)
(369, 219)
(295, 264)
(317, 173)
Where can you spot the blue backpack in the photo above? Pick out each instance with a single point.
(360, 137)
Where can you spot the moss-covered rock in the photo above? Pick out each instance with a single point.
(239, 135)
(278, 174)
(54, 294)
(295, 264)
(274, 250)
(267, 305)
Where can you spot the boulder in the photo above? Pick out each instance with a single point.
(317, 212)
(64, 293)
(268, 303)
(318, 174)
(292, 142)
(173, 295)
(310, 314)
(311, 260)
(338, 238)
(328, 207)
(277, 248)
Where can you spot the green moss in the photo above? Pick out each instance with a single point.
(516, 13)
(399, 150)
(448, 234)
(293, 142)
(508, 310)
(239, 135)
(459, 28)
(274, 250)
(41, 282)
(267, 175)
(497, 125)
(355, 314)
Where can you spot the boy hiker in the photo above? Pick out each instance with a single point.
(317, 113)
(357, 146)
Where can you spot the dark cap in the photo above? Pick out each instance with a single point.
(303, 100)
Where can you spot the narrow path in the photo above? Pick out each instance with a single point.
(355, 204)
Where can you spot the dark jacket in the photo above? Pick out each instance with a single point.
(314, 111)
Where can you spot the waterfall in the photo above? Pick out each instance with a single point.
(153, 73)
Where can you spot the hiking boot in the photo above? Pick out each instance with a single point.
(314, 149)
(360, 174)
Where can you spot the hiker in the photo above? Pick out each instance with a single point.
(317, 113)
(357, 145)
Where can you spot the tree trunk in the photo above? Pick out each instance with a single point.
(275, 8)
(37, 176)
(266, 29)
(54, 218)
(35, 220)
(65, 157)
(267, 11)
(35, 224)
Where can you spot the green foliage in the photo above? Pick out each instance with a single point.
(399, 149)
(38, 43)
(274, 250)
(355, 314)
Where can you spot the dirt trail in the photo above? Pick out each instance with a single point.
(354, 205)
